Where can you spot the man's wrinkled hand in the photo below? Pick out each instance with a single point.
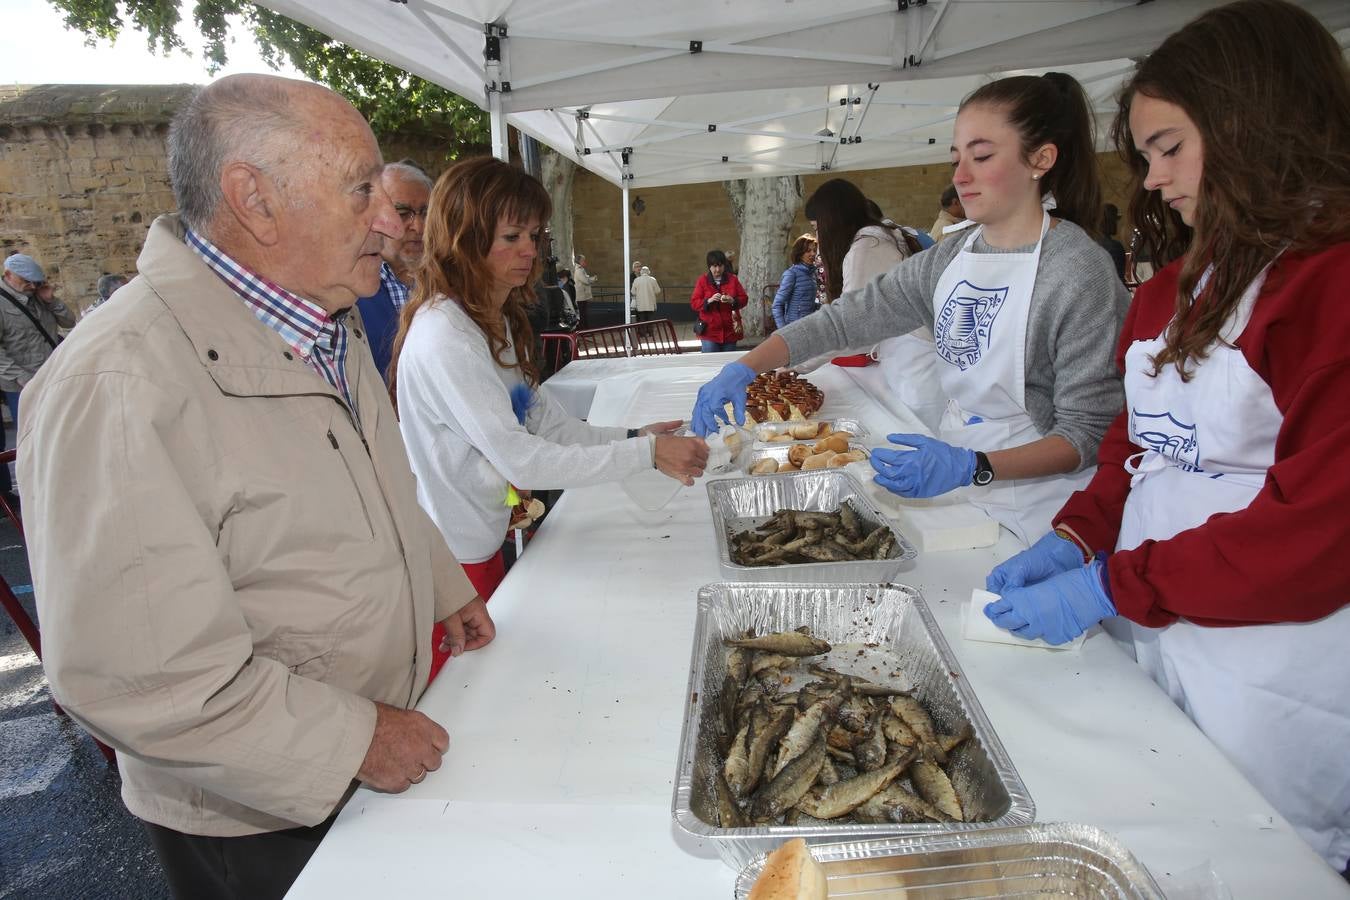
(682, 458)
(406, 746)
(468, 629)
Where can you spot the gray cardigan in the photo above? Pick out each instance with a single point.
(1073, 388)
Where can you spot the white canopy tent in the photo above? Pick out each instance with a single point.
(705, 90)
(646, 93)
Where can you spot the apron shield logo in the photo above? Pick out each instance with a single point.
(1168, 437)
(965, 322)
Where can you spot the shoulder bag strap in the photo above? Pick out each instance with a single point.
(32, 318)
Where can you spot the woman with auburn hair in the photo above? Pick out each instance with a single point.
(1216, 524)
(466, 382)
(796, 295)
(1017, 306)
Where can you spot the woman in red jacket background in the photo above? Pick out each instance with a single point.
(1216, 525)
(718, 299)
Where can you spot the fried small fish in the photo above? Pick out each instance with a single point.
(766, 729)
(736, 769)
(842, 797)
(870, 752)
(729, 814)
(787, 643)
(898, 804)
(934, 786)
(805, 728)
(791, 782)
(912, 713)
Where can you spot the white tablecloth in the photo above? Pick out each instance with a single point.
(565, 730)
(575, 383)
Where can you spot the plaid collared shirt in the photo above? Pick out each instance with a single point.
(320, 339)
(398, 291)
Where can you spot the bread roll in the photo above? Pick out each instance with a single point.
(766, 466)
(798, 453)
(824, 430)
(790, 873)
(835, 443)
(818, 460)
(805, 431)
(842, 459)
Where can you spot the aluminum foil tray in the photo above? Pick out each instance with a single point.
(1060, 860)
(741, 503)
(895, 619)
(765, 430)
(779, 454)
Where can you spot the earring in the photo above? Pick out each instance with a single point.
(1035, 178)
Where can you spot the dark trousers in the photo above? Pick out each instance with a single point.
(253, 867)
(12, 401)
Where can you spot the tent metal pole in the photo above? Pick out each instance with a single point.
(627, 258)
(497, 127)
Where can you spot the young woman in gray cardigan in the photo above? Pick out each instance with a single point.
(1024, 306)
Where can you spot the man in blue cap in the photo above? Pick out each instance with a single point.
(29, 316)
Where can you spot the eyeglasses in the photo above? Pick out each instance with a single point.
(406, 213)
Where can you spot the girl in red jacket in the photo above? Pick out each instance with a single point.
(1217, 523)
(718, 299)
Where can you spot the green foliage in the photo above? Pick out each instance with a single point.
(393, 100)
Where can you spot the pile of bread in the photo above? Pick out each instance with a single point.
(831, 453)
(782, 396)
(797, 431)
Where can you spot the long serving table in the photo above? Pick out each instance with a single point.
(565, 730)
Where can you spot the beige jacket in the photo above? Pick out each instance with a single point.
(645, 291)
(227, 571)
(943, 220)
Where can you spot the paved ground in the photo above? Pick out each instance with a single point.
(66, 832)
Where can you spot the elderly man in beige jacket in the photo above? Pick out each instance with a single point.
(236, 584)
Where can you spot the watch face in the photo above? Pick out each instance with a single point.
(983, 477)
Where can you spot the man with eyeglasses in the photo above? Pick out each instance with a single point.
(410, 190)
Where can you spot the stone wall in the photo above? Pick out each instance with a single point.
(83, 173)
(680, 224)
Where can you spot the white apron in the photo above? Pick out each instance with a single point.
(909, 364)
(1274, 698)
(980, 309)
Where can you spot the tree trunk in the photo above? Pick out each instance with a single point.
(558, 174)
(764, 209)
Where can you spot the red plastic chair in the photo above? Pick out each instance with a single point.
(27, 627)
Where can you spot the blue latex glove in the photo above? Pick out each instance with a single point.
(522, 398)
(931, 468)
(1047, 557)
(1056, 610)
(728, 386)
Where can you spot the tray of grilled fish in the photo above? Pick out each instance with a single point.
(1058, 859)
(806, 527)
(832, 712)
(811, 432)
